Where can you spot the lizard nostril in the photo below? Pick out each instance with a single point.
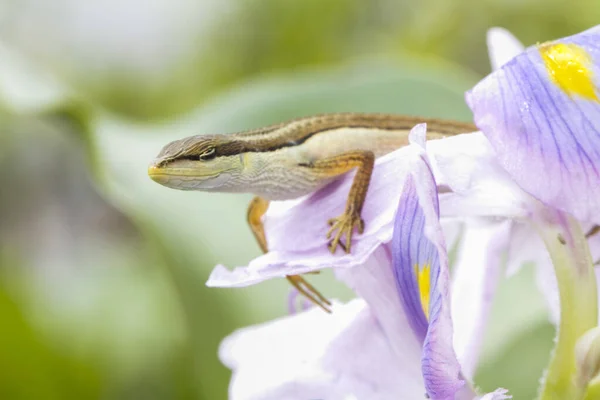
(154, 171)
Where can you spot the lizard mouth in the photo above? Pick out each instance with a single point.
(186, 178)
(156, 172)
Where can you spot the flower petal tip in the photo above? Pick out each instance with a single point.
(417, 135)
(498, 394)
(503, 46)
(237, 277)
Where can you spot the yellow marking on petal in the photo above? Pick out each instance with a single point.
(424, 283)
(569, 68)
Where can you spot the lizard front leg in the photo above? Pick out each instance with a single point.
(350, 219)
(256, 209)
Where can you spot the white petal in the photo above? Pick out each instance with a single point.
(525, 247)
(452, 232)
(467, 165)
(476, 274)
(375, 283)
(502, 47)
(498, 394)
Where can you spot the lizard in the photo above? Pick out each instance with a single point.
(292, 159)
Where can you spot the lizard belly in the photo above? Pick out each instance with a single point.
(288, 183)
(286, 174)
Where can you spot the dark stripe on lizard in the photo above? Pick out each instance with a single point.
(297, 131)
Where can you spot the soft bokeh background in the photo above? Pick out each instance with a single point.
(102, 271)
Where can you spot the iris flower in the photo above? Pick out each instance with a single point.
(540, 113)
(529, 179)
(397, 341)
(537, 171)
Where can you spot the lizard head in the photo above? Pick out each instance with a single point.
(207, 163)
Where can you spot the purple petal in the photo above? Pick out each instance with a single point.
(542, 116)
(418, 249)
(313, 355)
(411, 253)
(374, 282)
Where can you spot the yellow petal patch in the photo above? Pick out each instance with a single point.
(424, 283)
(569, 68)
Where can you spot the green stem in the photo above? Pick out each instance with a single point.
(574, 270)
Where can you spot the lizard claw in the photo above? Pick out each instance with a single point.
(344, 225)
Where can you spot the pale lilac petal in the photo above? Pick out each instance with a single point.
(374, 282)
(452, 232)
(295, 297)
(502, 47)
(418, 241)
(479, 186)
(296, 229)
(475, 276)
(525, 246)
(476, 185)
(313, 355)
(545, 136)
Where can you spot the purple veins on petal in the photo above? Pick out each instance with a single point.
(410, 257)
(420, 266)
(541, 113)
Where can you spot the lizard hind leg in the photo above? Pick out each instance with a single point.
(257, 208)
(593, 230)
(308, 291)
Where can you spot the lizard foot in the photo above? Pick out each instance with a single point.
(594, 230)
(310, 292)
(344, 225)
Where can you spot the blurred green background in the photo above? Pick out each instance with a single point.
(102, 271)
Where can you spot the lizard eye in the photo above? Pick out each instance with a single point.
(207, 155)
